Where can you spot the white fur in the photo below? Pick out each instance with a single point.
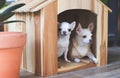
(77, 60)
(63, 38)
(81, 44)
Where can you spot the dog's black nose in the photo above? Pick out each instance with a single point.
(90, 41)
(64, 32)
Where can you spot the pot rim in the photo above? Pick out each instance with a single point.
(12, 39)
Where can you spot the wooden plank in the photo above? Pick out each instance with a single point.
(42, 5)
(99, 1)
(65, 67)
(48, 41)
(33, 6)
(30, 5)
(37, 20)
(78, 4)
(105, 35)
(22, 17)
(30, 45)
(103, 46)
(98, 34)
(23, 1)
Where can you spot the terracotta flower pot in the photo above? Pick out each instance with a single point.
(11, 46)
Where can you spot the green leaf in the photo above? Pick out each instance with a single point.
(8, 12)
(12, 8)
(105, 1)
(2, 2)
(5, 16)
(13, 21)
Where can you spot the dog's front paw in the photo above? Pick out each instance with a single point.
(67, 60)
(95, 61)
(77, 60)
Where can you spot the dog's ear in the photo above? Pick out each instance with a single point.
(73, 24)
(91, 26)
(79, 28)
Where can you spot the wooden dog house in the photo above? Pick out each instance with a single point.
(41, 17)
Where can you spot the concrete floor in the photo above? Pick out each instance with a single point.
(109, 71)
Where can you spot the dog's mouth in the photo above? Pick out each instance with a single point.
(90, 43)
(64, 34)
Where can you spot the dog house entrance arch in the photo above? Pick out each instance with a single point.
(84, 17)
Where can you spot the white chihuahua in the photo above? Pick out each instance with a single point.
(64, 31)
(80, 44)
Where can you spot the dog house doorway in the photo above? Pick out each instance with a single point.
(84, 17)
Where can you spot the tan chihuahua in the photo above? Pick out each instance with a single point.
(80, 44)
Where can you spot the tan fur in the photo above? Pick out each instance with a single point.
(77, 51)
(80, 45)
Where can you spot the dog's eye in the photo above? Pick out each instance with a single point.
(84, 36)
(59, 29)
(69, 30)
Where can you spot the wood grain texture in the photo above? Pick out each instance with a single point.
(50, 40)
(78, 4)
(33, 5)
(104, 39)
(98, 30)
(37, 20)
(65, 67)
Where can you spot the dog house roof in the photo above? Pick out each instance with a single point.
(32, 5)
(36, 5)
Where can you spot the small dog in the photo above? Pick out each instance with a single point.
(80, 43)
(64, 31)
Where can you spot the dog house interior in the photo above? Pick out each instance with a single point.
(84, 17)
